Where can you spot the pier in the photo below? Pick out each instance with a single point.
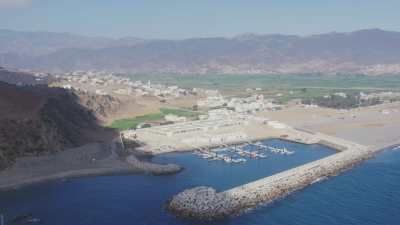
(207, 203)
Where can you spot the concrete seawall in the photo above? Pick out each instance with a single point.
(206, 203)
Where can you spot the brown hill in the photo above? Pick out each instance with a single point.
(38, 119)
(18, 104)
(102, 106)
(23, 78)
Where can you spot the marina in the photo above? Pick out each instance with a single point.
(136, 191)
(213, 140)
(206, 203)
(241, 153)
(230, 131)
(330, 200)
(199, 112)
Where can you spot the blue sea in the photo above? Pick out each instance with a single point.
(369, 194)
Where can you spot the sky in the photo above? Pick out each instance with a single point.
(177, 19)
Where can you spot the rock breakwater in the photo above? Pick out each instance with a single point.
(153, 168)
(207, 203)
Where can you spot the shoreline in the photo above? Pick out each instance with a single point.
(135, 167)
(205, 203)
(78, 162)
(140, 167)
(67, 175)
(81, 173)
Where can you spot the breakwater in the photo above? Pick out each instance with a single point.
(153, 168)
(207, 203)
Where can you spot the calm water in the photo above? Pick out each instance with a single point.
(368, 194)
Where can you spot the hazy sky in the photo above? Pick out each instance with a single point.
(198, 18)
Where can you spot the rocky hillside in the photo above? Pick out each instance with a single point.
(38, 119)
(23, 78)
(102, 106)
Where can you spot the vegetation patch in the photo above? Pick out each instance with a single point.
(180, 112)
(347, 101)
(237, 84)
(131, 123)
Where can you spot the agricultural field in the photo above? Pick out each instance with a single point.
(282, 88)
(238, 83)
(180, 112)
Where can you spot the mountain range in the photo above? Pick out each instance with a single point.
(370, 52)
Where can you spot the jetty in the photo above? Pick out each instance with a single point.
(206, 203)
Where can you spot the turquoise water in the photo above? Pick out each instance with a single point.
(365, 195)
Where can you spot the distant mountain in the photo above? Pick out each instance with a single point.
(371, 52)
(41, 43)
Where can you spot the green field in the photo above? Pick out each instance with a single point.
(233, 84)
(286, 86)
(308, 93)
(180, 112)
(130, 123)
(125, 124)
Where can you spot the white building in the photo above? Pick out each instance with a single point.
(174, 118)
(277, 125)
(219, 114)
(212, 102)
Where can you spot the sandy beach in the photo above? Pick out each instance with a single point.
(88, 160)
(371, 126)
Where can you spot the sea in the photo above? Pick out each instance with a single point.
(368, 194)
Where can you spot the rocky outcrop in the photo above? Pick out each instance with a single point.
(23, 78)
(101, 106)
(153, 168)
(38, 119)
(201, 202)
